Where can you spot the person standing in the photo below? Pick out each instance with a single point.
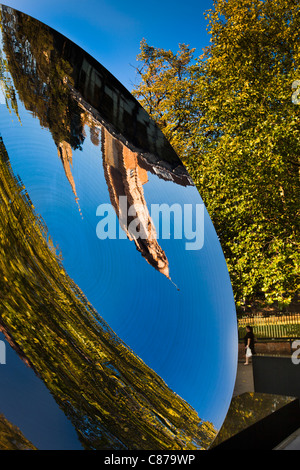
(249, 343)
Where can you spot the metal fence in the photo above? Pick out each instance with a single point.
(281, 326)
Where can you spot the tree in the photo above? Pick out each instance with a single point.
(230, 116)
(168, 92)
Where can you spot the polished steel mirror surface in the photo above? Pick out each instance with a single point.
(250, 409)
(113, 340)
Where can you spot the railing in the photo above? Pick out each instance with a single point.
(282, 326)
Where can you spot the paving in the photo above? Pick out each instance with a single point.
(244, 383)
(244, 379)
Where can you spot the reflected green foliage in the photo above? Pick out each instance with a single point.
(7, 88)
(11, 437)
(112, 398)
(6, 85)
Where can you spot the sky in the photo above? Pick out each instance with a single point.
(111, 30)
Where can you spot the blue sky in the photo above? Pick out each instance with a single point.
(111, 30)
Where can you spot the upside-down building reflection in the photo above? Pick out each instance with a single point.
(124, 177)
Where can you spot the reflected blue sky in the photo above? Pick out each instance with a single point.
(26, 402)
(188, 336)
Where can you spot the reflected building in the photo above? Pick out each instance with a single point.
(132, 144)
(114, 108)
(124, 177)
(65, 154)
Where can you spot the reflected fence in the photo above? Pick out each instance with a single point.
(275, 327)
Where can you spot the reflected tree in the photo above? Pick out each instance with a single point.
(11, 438)
(41, 76)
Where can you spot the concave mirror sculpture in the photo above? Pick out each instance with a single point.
(114, 340)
